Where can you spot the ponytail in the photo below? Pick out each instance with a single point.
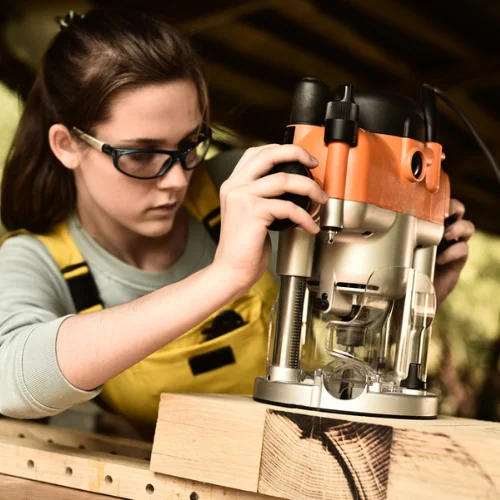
(37, 190)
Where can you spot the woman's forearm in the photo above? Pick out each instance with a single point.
(93, 348)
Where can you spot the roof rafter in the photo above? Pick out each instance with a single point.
(418, 25)
(308, 15)
(270, 49)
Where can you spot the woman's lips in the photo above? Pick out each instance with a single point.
(167, 207)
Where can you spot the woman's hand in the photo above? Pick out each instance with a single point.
(450, 263)
(249, 206)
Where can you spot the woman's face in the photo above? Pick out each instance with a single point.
(164, 116)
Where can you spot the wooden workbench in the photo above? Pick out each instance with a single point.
(231, 448)
(93, 463)
(24, 489)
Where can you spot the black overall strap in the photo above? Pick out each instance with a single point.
(82, 287)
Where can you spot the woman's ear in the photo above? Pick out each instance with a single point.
(64, 146)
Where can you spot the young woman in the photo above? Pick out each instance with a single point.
(114, 219)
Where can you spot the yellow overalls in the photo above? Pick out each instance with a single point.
(194, 362)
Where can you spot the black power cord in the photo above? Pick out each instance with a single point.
(442, 94)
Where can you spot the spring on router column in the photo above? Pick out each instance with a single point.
(289, 322)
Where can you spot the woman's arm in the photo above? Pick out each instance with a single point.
(93, 348)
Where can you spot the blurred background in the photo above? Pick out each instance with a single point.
(255, 51)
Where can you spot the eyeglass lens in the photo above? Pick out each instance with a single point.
(143, 164)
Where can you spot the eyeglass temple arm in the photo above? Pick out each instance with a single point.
(91, 141)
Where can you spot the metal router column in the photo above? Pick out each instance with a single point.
(288, 322)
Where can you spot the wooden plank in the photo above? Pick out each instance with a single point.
(185, 440)
(311, 455)
(99, 471)
(24, 489)
(75, 439)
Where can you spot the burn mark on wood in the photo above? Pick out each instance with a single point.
(366, 452)
(362, 451)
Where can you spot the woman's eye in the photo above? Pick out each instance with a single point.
(187, 144)
(143, 157)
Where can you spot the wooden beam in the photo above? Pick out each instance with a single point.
(270, 49)
(49, 434)
(96, 470)
(488, 8)
(17, 488)
(308, 15)
(295, 454)
(421, 27)
(235, 423)
(254, 91)
(226, 16)
(487, 78)
(487, 126)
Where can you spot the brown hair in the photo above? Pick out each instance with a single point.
(87, 65)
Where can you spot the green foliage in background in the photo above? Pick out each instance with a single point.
(11, 108)
(464, 358)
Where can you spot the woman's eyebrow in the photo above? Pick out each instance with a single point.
(151, 143)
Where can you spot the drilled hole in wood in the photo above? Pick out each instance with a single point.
(50, 441)
(194, 496)
(108, 479)
(81, 447)
(148, 459)
(31, 464)
(114, 453)
(69, 471)
(150, 489)
(20, 436)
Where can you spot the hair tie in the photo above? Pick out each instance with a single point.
(69, 19)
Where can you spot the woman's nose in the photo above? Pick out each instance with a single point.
(175, 178)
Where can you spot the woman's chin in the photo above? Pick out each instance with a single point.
(156, 229)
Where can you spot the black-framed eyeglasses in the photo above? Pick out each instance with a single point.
(151, 163)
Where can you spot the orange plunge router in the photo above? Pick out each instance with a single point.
(351, 327)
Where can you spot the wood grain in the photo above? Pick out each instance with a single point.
(305, 455)
(189, 437)
(356, 460)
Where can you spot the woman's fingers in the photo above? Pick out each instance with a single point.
(277, 184)
(460, 230)
(249, 154)
(280, 209)
(456, 252)
(258, 163)
(457, 208)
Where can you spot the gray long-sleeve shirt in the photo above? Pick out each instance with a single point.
(35, 300)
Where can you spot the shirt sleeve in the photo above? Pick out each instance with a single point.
(34, 302)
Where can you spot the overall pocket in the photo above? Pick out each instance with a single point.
(226, 364)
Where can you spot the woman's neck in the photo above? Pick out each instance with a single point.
(148, 254)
